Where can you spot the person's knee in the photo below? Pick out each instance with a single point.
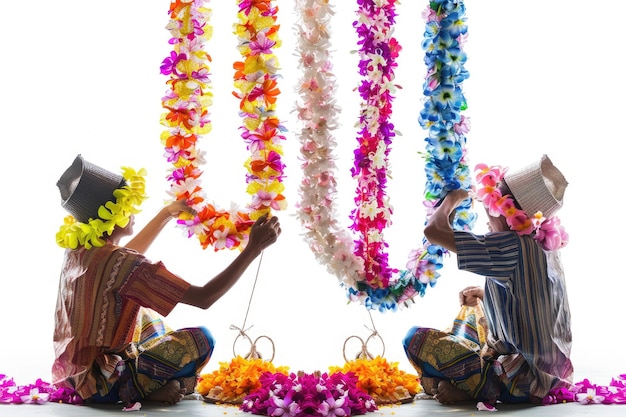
(406, 342)
(208, 336)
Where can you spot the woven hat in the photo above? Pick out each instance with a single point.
(538, 187)
(85, 187)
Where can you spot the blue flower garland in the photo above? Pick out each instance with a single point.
(445, 157)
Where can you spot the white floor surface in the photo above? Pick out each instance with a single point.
(421, 407)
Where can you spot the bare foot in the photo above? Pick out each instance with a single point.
(170, 393)
(446, 393)
(429, 384)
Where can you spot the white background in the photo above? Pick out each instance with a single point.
(83, 77)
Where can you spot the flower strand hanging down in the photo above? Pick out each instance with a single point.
(445, 157)
(256, 80)
(187, 118)
(378, 52)
(362, 269)
(331, 244)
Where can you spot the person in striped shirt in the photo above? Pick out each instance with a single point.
(523, 305)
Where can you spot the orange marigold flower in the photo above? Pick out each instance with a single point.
(234, 380)
(382, 380)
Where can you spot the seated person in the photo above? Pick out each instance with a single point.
(527, 348)
(110, 346)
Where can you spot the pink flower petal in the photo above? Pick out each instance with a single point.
(481, 406)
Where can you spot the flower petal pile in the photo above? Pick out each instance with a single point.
(586, 393)
(303, 394)
(383, 380)
(235, 379)
(187, 118)
(38, 393)
(260, 387)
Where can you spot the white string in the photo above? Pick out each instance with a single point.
(252, 292)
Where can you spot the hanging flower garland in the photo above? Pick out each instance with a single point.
(317, 110)
(362, 265)
(378, 52)
(187, 118)
(446, 164)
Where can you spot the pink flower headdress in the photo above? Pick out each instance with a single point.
(547, 231)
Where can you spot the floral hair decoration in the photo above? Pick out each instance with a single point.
(548, 232)
(111, 214)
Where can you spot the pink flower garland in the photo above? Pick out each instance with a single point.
(378, 52)
(187, 118)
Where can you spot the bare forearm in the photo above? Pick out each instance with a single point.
(438, 231)
(142, 241)
(205, 296)
(263, 233)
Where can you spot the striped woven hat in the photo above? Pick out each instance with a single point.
(538, 187)
(84, 187)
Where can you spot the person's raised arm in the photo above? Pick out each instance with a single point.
(142, 240)
(264, 233)
(438, 230)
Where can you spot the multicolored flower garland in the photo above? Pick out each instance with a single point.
(378, 52)
(187, 117)
(362, 266)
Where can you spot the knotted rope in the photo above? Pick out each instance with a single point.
(364, 353)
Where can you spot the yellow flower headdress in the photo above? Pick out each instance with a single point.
(98, 201)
